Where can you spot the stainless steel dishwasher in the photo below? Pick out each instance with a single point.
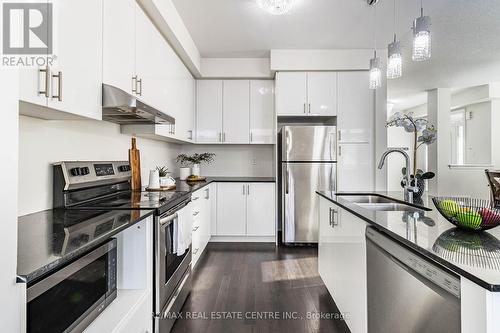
(406, 292)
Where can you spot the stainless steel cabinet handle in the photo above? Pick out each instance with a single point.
(248, 189)
(207, 193)
(59, 86)
(286, 181)
(190, 137)
(195, 251)
(139, 90)
(330, 216)
(243, 189)
(333, 220)
(309, 108)
(223, 136)
(340, 135)
(134, 84)
(196, 228)
(340, 150)
(220, 137)
(194, 198)
(305, 110)
(45, 70)
(196, 213)
(251, 136)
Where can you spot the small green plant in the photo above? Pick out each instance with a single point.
(186, 160)
(162, 171)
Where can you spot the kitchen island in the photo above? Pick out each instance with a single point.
(472, 257)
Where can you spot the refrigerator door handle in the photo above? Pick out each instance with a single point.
(333, 144)
(286, 180)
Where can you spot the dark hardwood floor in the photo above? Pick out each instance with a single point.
(240, 282)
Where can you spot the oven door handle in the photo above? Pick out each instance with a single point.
(59, 276)
(175, 296)
(168, 219)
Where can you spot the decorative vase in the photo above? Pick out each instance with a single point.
(167, 181)
(196, 170)
(184, 172)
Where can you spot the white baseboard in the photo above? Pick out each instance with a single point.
(243, 239)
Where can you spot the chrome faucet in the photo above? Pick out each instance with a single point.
(409, 190)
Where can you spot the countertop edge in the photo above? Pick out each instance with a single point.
(448, 265)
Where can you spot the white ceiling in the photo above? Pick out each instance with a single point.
(466, 36)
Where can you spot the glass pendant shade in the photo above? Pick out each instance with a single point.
(375, 73)
(276, 7)
(421, 39)
(395, 60)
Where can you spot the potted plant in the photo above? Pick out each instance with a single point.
(195, 160)
(423, 134)
(165, 180)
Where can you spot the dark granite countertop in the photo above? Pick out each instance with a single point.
(49, 239)
(475, 256)
(194, 186)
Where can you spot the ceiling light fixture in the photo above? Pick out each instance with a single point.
(276, 7)
(395, 59)
(421, 36)
(375, 71)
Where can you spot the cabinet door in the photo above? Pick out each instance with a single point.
(119, 43)
(261, 205)
(291, 93)
(236, 111)
(208, 111)
(213, 208)
(184, 118)
(231, 209)
(322, 93)
(76, 81)
(262, 111)
(34, 81)
(152, 56)
(325, 244)
(356, 108)
(348, 256)
(355, 167)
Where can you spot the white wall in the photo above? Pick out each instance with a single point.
(478, 134)
(42, 142)
(236, 160)
(11, 300)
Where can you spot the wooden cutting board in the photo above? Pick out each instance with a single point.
(134, 158)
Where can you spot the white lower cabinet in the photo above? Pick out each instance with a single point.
(231, 209)
(245, 209)
(342, 262)
(201, 211)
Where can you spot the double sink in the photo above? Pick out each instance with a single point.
(379, 203)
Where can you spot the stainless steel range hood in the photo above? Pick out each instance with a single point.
(123, 108)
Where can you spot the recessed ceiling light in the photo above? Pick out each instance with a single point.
(276, 7)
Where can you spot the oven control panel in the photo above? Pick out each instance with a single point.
(77, 174)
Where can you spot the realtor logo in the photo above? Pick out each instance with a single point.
(27, 28)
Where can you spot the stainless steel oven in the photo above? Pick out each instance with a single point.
(69, 299)
(172, 271)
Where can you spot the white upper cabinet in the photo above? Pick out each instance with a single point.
(152, 52)
(356, 108)
(77, 73)
(209, 111)
(291, 93)
(119, 43)
(261, 203)
(235, 111)
(262, 111)
(73, 84)
(322, 93)
(306, 94)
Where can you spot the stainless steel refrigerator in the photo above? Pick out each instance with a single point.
(308, 156)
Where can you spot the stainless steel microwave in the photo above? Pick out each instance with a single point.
(69, 299)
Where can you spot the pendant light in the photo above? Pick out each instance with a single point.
(375, 72)
(395, 60)
(421, 36)
(276, 7)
